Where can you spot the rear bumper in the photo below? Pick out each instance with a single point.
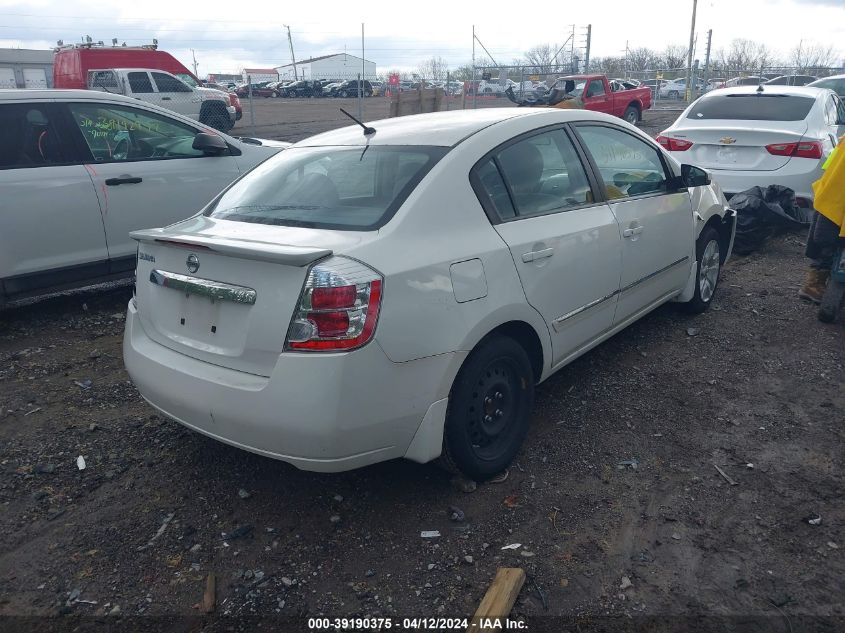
(319, 412)
(795, 175)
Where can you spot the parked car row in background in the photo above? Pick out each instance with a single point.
(308, 88)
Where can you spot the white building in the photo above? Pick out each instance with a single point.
(259, 75)
(26, 68)
(339, 66)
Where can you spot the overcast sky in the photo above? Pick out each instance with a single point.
(402, 34)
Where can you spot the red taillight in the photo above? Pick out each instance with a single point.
(674, 144)
(803, 149)
(330, 298)
(330, 323)
(338, 309)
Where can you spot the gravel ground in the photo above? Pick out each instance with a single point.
(615, 498)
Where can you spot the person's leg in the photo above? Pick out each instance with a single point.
(821, 247)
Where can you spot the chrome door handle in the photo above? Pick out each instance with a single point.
(633, 231)
(533, 256)
(165, 99)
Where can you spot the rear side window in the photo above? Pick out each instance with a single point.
(536, 175)
(28, 137)
(346, 188)
(752, 107)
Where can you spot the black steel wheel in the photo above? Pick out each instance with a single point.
(489, 409)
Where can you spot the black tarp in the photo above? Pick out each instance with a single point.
(762, 213)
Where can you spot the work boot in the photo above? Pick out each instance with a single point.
(815, 285)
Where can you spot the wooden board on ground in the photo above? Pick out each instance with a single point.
(209, 597)
(499, 600)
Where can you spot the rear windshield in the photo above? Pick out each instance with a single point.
(752, 107)
(347, 188)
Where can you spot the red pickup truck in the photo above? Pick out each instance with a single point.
(611, 97)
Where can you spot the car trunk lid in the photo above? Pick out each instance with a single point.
(743, 148)
(224, 292)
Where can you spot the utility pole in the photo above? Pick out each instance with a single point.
(707, 58)
(195, 63)
(363, 77)
(689, 53)
(473, 84)
(292, 58)
(587, 50)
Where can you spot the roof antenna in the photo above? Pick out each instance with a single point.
(367, 129)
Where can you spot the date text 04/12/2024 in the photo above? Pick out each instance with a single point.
(414, 624)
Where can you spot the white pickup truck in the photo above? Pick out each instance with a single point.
(211, 107)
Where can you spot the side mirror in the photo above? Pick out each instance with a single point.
(694, 176)
(210, 144)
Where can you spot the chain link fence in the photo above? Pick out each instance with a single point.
(292, 110)
(669, 85)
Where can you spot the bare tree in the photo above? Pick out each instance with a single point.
(435, 69)
(674, 56)
(640, 59)
(464, 71)
(744, 56)
(541, 58)
(812, 57)
(610, 66)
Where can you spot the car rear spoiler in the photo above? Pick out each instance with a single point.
(245, 249)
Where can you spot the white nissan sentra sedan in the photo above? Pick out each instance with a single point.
(760, 136)
(399, 293)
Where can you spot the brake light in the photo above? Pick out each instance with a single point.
(674, 144)
(803, 149)
(338, 308)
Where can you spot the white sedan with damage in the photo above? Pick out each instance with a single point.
(398, 291)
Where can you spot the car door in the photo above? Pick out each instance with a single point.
(596, 97)
(146, 172)
(175, 95)
(566, 247)
(52, 230)
(655, 218)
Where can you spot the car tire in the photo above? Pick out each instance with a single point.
(489, 409)
(674, 94)
(708, 265)
(217, 117)
(832, 301)
(274, 94)
(632, 115)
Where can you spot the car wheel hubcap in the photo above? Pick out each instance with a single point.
(492, 408)
(708, 270)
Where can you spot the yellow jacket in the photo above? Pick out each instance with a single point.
(829, 190)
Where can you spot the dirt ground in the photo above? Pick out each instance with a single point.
(615, 499)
